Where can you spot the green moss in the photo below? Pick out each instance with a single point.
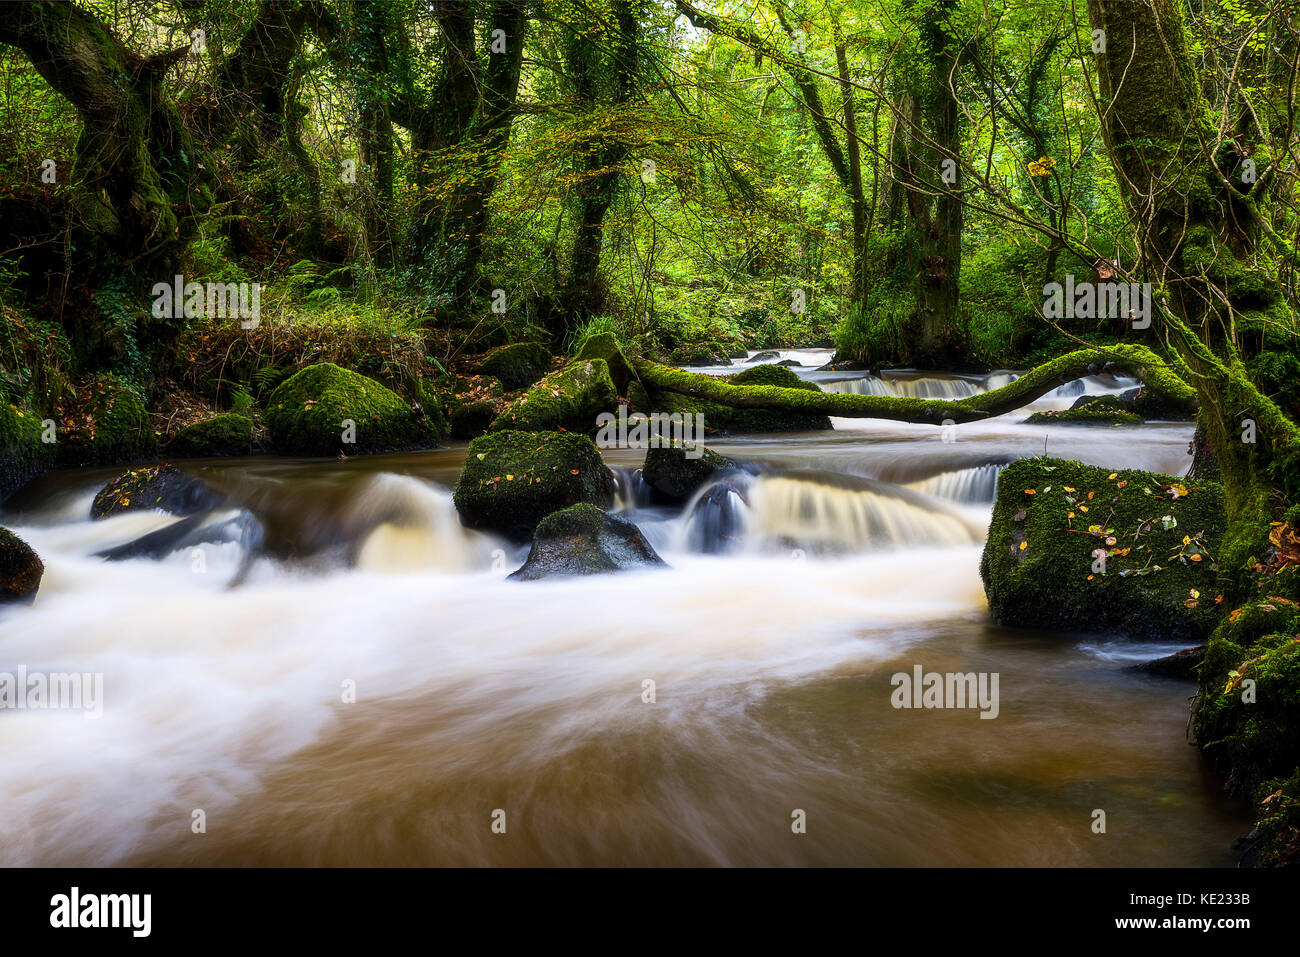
(113, 428)
(675, 475)
(307, 412)
(570, 399)
(162, 487)
(1105, 410)
(583, 540)
(1038, 561)
(20, 569)
(512, 480)
(23, 456)
(604, 346)
(719, 417)
(517, 365)
(226, 434)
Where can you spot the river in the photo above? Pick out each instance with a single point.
(792, 598)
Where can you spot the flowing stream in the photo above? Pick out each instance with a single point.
(794, 594)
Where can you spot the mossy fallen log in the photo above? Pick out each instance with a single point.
(1134, 360)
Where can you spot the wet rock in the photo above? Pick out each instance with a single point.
(1123, 401)
(675, 475)
(766, 356)
(790, 364)
(583, 540)
(570, 399)
(512, 480)
(306, 415)
(163, 487)
(20, 570)
(1076, 548)
(517, 365)
(1101, 410)
(1181, 664)
(227, 434)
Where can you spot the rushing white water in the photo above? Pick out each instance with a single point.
(791, 597)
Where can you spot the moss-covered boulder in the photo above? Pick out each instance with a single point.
(517, 365)
(162, 487)
(23, 452)
(570, 399)
(226, 434)
(722, 418)
(512, 480)
(675, 475)
(20, 569)
(469, 420)
(584, 540)
(604, 346)
(1097, 410)
(109, 427)
(309, 414)
(1153, 406)
(1072, 547)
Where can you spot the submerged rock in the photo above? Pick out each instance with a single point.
(226, 434)
(23, 453)
(163, 487)
(675, 475)
(1181, 664)
(512, 480)
(1072, 547)
(308, 412)
(517, 365)
(583, 540)
(20, 569)
(569, 399)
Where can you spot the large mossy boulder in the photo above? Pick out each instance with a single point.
(1055, 520)
(20, 569)
(23, 452)
(226, 434)
(570, 399)
(722, 418)
(512, 480)
(584, 540)
(110, 427)
(517, 365)
(675, 472)
(604, 346)
(160, 487)
(309, 414)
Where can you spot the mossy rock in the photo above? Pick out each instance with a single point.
(1038, 562)
(675, 475)
(603, 345)
(162, 487)
(512, 480)
(20, 569)
(517, 365)
(638, 397)
(1098, 410)
(469, 420)
(305, 415)
(570, 399)
(722, 418)
(583, 540)
(225, 434)
(112, 428)
(23, 454)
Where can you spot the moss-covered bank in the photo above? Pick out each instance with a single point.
(23, 453)
(226, 434)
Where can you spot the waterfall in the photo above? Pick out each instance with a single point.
(978, 484)
(413, 527)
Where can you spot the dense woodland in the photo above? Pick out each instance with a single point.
(416, 183)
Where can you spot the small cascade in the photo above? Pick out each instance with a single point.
(977, 485)
(631, 491)
(414, 527)
(839, 513)
(921, 387)
(717, 516)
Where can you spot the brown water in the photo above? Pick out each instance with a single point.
(771, 662)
